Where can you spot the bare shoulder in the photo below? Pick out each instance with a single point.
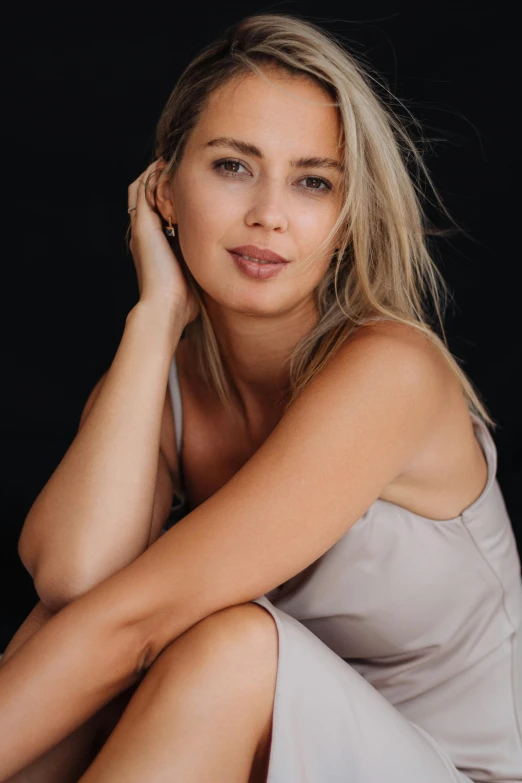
(389, 340)
(447, 471)
(397, 360)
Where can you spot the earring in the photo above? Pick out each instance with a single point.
(170, 230)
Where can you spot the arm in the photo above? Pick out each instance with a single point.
(357, 425)
(41, 613)
(94, 515)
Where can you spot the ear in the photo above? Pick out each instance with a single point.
(165, 199)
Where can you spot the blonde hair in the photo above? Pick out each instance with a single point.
(382, 268)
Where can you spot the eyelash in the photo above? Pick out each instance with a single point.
(218, 163)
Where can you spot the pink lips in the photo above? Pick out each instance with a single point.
(256, 270)
(259, 252)
(273, 265)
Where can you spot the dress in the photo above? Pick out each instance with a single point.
(400, 649)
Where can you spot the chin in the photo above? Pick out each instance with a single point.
(257, 301)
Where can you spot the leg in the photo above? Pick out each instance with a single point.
(203, 711)
(70, 758)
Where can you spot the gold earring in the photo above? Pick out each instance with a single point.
(170, 230)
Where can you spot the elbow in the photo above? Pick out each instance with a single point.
(57, 584)
(57, 589)
(26, 550)
(53, 592)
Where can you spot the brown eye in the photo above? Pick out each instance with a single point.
(228, 166)
(316, 183)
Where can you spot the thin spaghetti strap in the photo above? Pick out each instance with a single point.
(177, 407)
(179, 499)
(178, 504)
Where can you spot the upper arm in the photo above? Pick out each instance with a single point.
(355, 427)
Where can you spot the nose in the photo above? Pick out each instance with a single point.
(267, 208)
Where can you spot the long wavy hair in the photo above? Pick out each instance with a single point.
(382, 267)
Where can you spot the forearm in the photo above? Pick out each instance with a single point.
(37, 618)
(63, 674)
(94, 513)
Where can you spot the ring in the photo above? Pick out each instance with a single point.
(131, 208)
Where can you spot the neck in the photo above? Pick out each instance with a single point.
(256, 351)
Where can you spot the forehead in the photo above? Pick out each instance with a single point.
(281, 114)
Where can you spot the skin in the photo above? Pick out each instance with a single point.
(258, 323)
(264, 202)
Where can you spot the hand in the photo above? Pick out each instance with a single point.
(160, 277)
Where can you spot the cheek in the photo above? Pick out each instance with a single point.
(316, 220)
(205, 223)
(196, 213)
(312, 226)
(205, 217)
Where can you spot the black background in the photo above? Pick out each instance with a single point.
(83, 89)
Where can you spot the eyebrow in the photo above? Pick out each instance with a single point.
(245, 148)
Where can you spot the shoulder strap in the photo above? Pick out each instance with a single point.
(175, 396)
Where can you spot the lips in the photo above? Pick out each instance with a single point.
(262, 254)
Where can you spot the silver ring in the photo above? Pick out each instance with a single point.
(131, 208)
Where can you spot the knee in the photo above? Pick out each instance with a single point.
(246, 627)
(241, 640)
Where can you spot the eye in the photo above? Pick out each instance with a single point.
(234, 164)
(317, 182)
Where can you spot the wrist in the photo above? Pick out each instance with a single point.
(166, 321)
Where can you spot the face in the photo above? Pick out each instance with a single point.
(244, 180)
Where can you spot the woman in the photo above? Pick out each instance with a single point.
(340, 598)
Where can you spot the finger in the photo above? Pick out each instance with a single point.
(136, 193)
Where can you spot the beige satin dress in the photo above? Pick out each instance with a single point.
(400, 652)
